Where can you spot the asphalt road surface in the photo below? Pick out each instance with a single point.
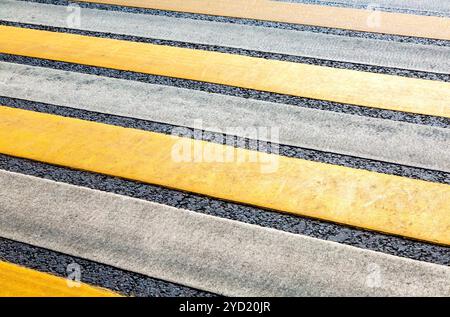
(211, 246)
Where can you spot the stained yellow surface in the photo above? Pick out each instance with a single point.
(386, 203)
(308, 14)
(17, 281)
(324, 83)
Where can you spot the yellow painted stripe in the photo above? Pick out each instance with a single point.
(339, 85)
(386, 203)
(307, 14)
(17, 281)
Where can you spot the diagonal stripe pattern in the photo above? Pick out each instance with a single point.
(392, 204)
(136, 235)
(358, 98)
(332, 17)
(339, 85)
(379, 139)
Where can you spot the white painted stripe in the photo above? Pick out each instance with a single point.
(201, 251)
(432, 6)
(317, 45)
(379, 139)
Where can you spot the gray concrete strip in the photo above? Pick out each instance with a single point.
(266, 39)
(432, 6)
(209, 253)
(373, 138)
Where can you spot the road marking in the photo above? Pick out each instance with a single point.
(317, 82)
(431, 6)
(408, 207)
(297, 13)
(374, 138)
(411, 56)
(201, 251)
(17, 281)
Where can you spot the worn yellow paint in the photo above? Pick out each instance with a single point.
(324, 83)
(391, 204)
(17, 281)
(308, 14)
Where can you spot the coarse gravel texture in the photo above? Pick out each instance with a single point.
(234, 91)
(286, 26)
(239, 51)
(93, 273)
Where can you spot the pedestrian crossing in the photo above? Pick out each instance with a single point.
(219, 255)
(368, 51)
(384, 140)
(305, 14)
(193, 81)
(310, 81)
(402, 206)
